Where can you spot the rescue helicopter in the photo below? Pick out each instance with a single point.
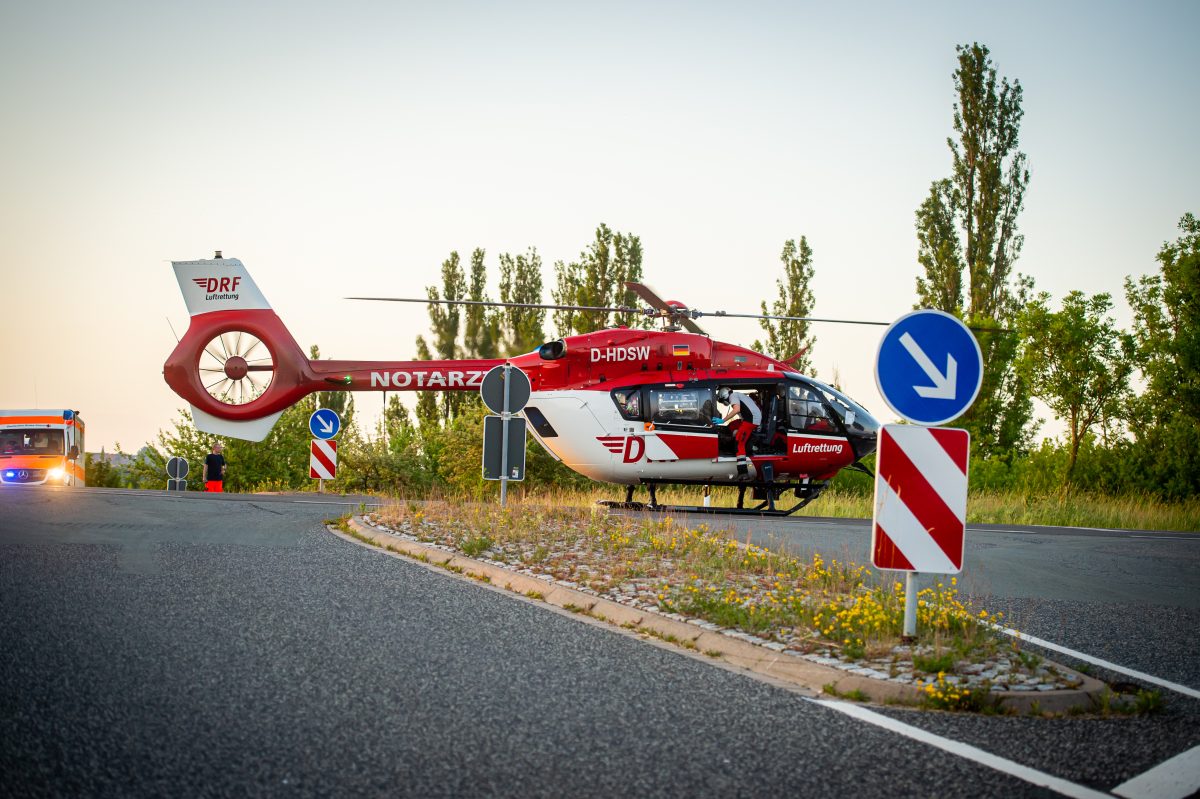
(627, 406)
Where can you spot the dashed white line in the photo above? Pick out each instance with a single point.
(1140, 675)
(1171, 779)
(1012, 768)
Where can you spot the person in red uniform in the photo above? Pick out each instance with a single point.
(214, 469)
(745, 410)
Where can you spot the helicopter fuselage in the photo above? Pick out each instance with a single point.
(621, 405)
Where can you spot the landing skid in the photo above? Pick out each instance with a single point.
(766, 507)
(761, 509)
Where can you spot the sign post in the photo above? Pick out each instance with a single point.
(929, 369)
(505, 390)
(324, 424)
(177, 470)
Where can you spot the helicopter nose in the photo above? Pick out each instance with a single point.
(870, 441)
(864, 436)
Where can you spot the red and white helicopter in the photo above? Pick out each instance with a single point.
(623, 405)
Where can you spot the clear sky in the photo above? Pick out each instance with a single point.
(347, 148)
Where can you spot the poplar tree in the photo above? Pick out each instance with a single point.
(482, 332)
(786, 339)
(444, 321)
(521, 282)
(598, 279)
(968, 224)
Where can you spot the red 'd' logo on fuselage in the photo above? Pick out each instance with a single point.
(630, 448)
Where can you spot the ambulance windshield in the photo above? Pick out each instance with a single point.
(31, 441)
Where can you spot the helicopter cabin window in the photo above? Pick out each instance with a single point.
(629, 402)
(690, 406)
(807, 413)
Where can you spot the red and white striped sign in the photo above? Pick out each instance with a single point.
(322, 463)
(920, 499)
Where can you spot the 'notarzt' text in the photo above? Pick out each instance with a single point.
(448, 379)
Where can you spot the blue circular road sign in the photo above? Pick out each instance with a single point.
(324, 423)
(929, 367)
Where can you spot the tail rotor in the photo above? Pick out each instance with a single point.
(236, 367)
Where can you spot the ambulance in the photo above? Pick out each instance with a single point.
(41, 447)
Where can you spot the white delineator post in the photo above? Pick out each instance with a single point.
(910, 605)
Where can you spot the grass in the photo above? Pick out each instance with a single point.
(934, 663)
(1076, 508)
(854, 696)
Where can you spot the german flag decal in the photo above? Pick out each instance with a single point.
(680, 350)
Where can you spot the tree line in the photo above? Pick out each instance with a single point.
(1069, 354)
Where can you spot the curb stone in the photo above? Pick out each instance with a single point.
(753, 657)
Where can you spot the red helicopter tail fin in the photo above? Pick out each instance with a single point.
(237, 365)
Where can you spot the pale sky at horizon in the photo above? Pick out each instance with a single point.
(347, 149)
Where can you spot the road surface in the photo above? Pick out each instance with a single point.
(191, 645)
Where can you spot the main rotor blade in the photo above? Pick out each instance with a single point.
(680, 315)
(647, 294)
(785, 318)
(835, 321)
(659, 308)
(639, 311)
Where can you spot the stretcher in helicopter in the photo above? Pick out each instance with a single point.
(631, 407)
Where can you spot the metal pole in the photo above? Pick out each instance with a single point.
(504, 417)
(910, 606)
(321, 485)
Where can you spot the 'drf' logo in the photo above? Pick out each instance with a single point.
(213, 285)
(630, 448)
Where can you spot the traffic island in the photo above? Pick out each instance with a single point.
(558, 556)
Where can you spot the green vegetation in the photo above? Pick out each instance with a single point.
(1130, 400)
(789, 340)
(854, 696)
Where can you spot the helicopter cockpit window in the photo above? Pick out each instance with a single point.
(855, 417)
(690, 406)
(806, 412)
(629, 402)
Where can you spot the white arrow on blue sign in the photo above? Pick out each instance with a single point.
(324, 423)
(929, 367)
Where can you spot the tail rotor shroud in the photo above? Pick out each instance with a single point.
(236, 367)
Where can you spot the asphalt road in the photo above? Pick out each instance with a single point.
(183, 646)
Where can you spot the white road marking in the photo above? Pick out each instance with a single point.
(1167, 537)
(1014, 769)
(1140, 675)
(1171, 779)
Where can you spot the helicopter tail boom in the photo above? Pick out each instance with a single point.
(239, 368)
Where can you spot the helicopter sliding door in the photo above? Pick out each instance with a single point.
(680, 416)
